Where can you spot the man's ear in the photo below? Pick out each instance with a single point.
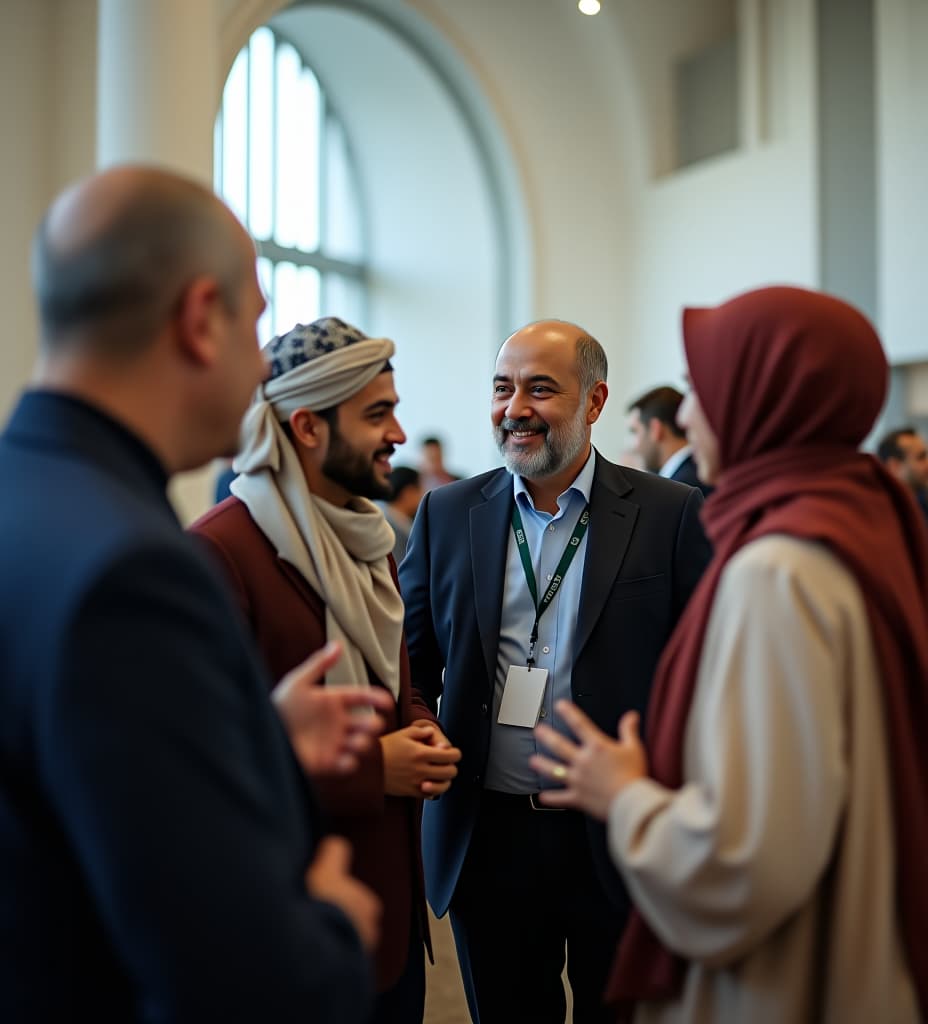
(309, 430)
(655, 430)
(598, 396)
(198, 318)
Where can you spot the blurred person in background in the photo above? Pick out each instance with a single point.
(432, 464)
(400, 509)
(659, 440)
(905, 455)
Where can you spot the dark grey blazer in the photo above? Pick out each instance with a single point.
(645, 553)
(154, 826)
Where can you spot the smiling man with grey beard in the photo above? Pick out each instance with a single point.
(561, 574)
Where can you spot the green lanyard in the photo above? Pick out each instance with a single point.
(562, 566)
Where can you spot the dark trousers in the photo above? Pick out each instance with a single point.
(528, 891)
(404, 1002)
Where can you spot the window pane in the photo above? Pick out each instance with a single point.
(310, 294)
(285, 171)
(269, 153)
(296, 296)
(307, 235)
(344, 297)
(235, 137)
(261, 132)
(297, 150)
(343, 238)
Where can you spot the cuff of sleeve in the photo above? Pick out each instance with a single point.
(632, 807)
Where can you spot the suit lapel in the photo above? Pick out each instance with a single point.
(489, 540)
(612, 522)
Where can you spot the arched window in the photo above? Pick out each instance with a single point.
(283, 164)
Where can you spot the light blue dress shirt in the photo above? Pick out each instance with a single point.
(547, 536)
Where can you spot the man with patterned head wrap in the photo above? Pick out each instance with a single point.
(307, 554)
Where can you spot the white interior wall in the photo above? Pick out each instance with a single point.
(47, 92)
(557, 83)
(902, 168)
(655, 37)
(740, 220)
(25, 131)
(604, 243)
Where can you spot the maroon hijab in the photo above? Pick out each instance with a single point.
(791, 382)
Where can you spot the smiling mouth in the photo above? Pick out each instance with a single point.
(383, 457)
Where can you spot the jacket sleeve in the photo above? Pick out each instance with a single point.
(425, 659)
(174, 782)
(416, 707)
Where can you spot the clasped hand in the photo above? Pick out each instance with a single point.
(418, 761)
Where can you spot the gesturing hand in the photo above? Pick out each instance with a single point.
(593, 770)
(328, 878)
(326, 731)
(418, 761)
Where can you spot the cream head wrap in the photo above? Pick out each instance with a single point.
(341, 552)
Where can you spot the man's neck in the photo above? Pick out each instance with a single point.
(134, 405)
(321, 486)
(671, 448)
(329, 491)
(546, 490)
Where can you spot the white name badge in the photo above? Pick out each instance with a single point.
(522, 696)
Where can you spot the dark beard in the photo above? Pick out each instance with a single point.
(350, 469)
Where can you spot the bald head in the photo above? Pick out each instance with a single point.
(115, 252)
(587, 353)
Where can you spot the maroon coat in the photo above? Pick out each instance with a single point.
(287, 618)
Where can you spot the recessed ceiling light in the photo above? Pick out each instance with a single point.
(589, 6)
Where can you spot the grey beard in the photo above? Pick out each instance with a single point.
(562, 445)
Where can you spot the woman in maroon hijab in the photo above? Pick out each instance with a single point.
(774, 837)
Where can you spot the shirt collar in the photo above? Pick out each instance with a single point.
(673, 463)
(582, 484)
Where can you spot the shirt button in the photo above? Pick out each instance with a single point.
(550, 577)
(544, 713)
(547, 650)
(483, 709)
(551, 528)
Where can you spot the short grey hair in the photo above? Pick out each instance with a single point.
(592, 365)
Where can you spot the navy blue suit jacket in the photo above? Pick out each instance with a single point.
(686, 473)
(154, 826)
(645, 553)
